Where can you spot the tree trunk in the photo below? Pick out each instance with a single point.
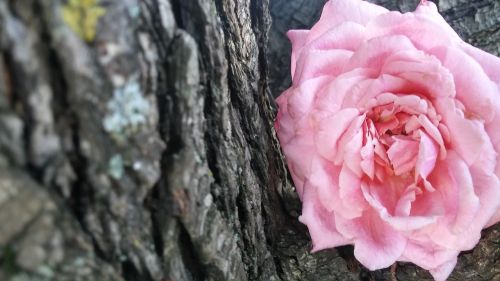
(137, 142)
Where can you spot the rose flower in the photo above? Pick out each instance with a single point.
(391, 132)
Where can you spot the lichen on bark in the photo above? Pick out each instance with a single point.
(190, 187)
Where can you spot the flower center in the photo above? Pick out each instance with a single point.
(401, 137)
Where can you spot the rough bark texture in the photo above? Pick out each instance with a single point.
(146, 151)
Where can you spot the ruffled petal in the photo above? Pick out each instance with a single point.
(470, 200)
(423, 29)
(474, 89)
(494, 219)
(336, 94)
(376, 244)
(441, 272)
(314, 63)
(403, 155)
(434, 133)
(336, 12)
(428, 11)
(330, 129)
(300, 102)
(320, 222)
(350, 189)
(324, 178)
(398, 222)
(489, 62)
(361, 94)
(345, 36)
(427, 156)
(299, 153)
(373, 53)
(468, 137)
(298, 38)
(424, 73)
(427, 254)
(294, 108)
(491, 67)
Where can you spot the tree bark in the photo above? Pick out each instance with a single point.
(137, 142)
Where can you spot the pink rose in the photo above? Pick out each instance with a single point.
(391, 131)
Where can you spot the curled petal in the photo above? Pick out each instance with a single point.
(427, 254)
(400, 223)
(424, 31)
(336, 12)
(489, 62)
(320, 222)
(427, 156)
(324, 178)
(376, 244)
(473, 87)
(468, 137)
(494, 219)
(441, 272)
(469, 203)
(428, 11)
(373, 53)
(350, 188)
(434, 133)
(298, 38)
(316, 63)
(346, 36)
(330, 130)
(422, 71)
(299, 159)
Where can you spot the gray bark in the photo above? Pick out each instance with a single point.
(148, 152)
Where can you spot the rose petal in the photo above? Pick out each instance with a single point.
(294, 108)
(339, 11)
(428, 11)
(423, 31)
(331, 98)
(491, 66)
(300, 101)
(298, 38)
(346, 36)
(494, 219)
(441, 272)
(401, 223)
(350, 155)
(314, 63)
(425, 73)
(429, 255)
(373, 53)
(470, 200)
(320, 222)
(474, 88)
(403, 155)
(428, 204)
(330, 130)
(368, 158)
(324, 178)
(434, 133)
(350, 188)
(468, 137)
(489, 62)
(403, 206)
(376, 244)
(427, 156)
(299, 158)
(361, 95)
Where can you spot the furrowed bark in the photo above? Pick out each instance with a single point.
(137, 142)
